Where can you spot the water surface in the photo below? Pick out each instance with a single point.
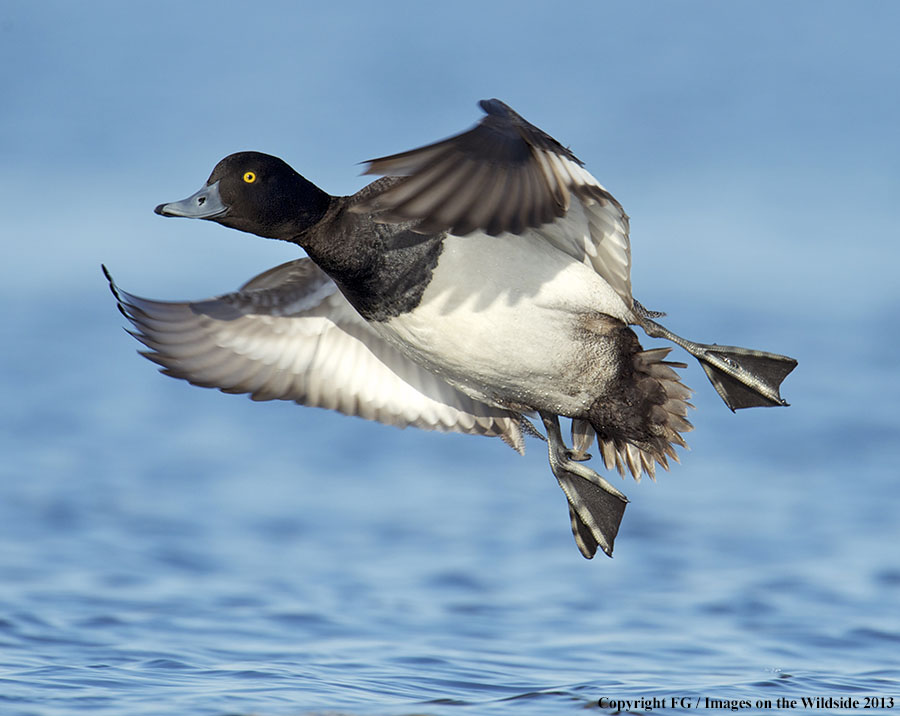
(172, 550)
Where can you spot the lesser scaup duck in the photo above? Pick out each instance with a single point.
(485, 279)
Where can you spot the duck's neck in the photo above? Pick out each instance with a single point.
(382, 269)
(295, 209)
(336, 241)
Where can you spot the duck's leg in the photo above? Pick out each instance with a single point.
(595, 506)
(744, 378)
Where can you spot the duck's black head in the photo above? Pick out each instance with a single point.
(257, 193)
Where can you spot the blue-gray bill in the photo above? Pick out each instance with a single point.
(204, 204)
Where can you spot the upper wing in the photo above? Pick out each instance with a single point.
(290, 334)
(506, 175)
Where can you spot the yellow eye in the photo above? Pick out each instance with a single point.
(249, 177)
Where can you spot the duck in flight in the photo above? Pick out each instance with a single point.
(482, 281)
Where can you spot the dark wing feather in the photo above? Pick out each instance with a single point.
(504, 175)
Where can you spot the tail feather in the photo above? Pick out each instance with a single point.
(637, 428)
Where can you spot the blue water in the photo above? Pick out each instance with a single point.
(171, 550)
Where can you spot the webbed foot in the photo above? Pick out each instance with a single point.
(743, 378)
(595, 506)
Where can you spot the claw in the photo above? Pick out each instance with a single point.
(583, 436)
(578, 456)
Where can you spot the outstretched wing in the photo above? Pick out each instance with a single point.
(505, 175)
(289, 334)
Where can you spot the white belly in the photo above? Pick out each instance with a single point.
(504, 319)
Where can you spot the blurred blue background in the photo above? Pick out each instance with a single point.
(170, 550)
